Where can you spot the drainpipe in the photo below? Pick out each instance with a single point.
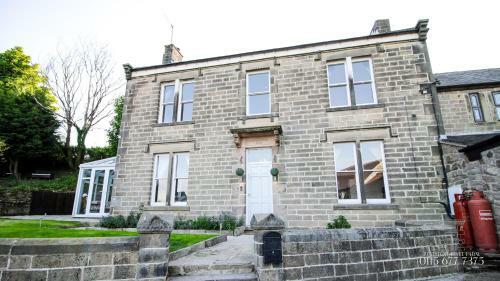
(431, 89)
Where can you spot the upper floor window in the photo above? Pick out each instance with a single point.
(258, 93)
(496, 101)
(185, 112)
(170, 180)
(351, 83)
(176, 102)
(475, 104)
(360, 172)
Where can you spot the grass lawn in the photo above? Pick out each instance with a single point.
(10, 228)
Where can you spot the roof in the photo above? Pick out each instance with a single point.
(478, 77)
(107, 162)
(420, 28)
(473, 145)
(468, 140)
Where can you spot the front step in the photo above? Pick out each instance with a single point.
(227, 277)
(210, 269)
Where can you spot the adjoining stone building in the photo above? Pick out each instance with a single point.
(470, 139)
(348, 124)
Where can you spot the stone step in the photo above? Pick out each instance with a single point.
(226, 277)
(210, 269)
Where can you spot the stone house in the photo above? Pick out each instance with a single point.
(470, 131)
(349, 125)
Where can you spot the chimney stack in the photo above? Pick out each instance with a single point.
(381, 26)
(172, 54)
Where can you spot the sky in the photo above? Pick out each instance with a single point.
(463, 34)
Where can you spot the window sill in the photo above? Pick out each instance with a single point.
(173, 124)
(267, 115)
(167, 208)
(366, 207)
(355, 107)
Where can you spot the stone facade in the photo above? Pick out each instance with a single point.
(457, 113)
(305, 195)
(393, 253)
(481, 174)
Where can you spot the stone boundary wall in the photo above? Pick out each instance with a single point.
(393, 253)
(14, 202)
(69, 259)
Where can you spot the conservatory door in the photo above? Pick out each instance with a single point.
(94, 192)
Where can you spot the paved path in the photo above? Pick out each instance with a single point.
(237, 250)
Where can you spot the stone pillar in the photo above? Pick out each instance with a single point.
(154, 243)
(262, 224)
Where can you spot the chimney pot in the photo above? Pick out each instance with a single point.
(172, 54)
(381, 26)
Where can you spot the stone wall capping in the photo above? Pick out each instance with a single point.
(155, 223)
(266, 222)
(366, 207)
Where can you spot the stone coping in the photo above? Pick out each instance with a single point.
(311, 235)
(198, 246)
(35, 246)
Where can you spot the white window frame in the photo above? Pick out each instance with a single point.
(478, 107)
(372, 81)
(163, 104)
(358, 186)
(386, 200)
(348, 61)
(248, 94)
(155, 178)
(174, 177)
(497, 106)
(181, 103)
(171, 177)
(346, 84)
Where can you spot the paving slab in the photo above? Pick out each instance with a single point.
(236, 256)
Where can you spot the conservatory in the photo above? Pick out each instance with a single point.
(94, 188)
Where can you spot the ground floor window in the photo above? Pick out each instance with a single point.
(360, 172)
(170, 182)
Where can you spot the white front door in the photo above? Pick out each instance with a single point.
(258, 182)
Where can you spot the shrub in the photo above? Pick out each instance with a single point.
(120, 221)
(182, 223)
(63, 183)
(339, 222)
(207, 223)
(226, 221)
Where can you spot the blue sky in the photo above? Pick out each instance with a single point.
(463, 34)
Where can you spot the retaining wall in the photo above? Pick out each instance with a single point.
(394, 253)
(69, 259)
(14, 202)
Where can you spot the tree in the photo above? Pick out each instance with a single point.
(114, 132)
(3, 148)
(84, 83)
(27, 122)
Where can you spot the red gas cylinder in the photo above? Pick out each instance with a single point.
(464, 229)
(483, 225)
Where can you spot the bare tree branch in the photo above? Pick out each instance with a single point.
(84, 83)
